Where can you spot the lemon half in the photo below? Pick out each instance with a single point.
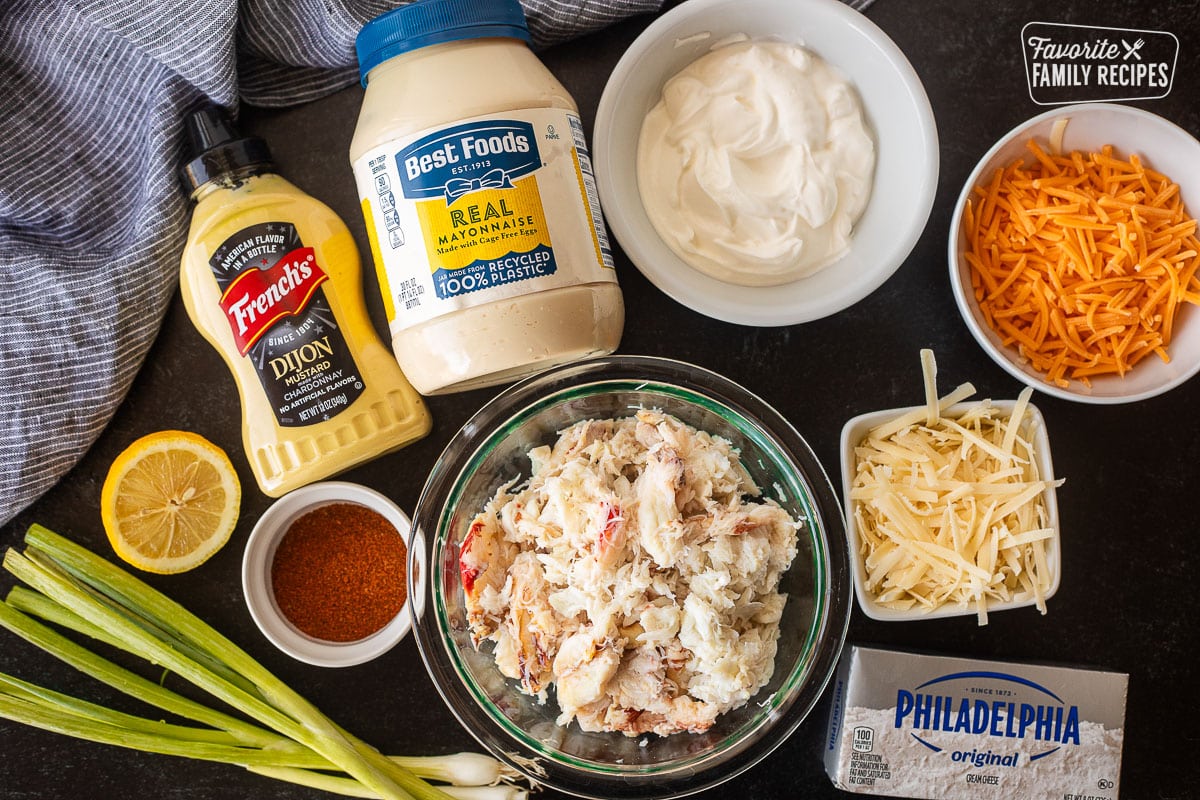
(170, 501)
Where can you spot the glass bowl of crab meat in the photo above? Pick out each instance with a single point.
(637, 578)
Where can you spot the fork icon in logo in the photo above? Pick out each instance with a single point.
(1131, 50)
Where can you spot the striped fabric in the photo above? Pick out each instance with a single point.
(92, 218)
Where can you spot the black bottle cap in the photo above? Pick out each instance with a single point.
(217, 148)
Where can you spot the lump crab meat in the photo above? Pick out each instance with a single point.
(635, 575)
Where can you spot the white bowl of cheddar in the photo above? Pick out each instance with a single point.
(951, 508)
(1078, 275)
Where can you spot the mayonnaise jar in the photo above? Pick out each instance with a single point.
(479, 200)
(756, 162)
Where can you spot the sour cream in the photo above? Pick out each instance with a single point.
(756, 163)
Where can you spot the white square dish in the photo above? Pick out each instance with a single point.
(853, 433)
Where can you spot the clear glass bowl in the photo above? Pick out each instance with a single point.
(491, 449)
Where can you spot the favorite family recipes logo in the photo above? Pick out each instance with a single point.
(1077, 63)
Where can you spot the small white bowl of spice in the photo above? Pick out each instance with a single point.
(324, 574)
(951, 506)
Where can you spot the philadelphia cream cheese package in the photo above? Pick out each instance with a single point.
(924, 726)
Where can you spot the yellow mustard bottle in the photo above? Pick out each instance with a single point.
(271, 278)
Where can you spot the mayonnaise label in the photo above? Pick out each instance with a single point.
(482, 210)
(434, 166)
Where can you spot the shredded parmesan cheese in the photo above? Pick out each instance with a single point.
(1057, 130)
(953, 510)
(929, 370)
(1081, 261)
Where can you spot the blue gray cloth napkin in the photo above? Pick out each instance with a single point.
(92, 218)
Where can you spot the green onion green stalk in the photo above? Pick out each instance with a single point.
(287, 739)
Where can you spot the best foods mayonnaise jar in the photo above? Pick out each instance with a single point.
(479, 200)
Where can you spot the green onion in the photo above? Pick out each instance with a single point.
(486, 792)
(459, 769)
(52, 719)
(122, 679)
(288, 738)
(17, 690)
(349, 788)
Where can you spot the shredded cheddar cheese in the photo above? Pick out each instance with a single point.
(953, 510)
(1081, 261)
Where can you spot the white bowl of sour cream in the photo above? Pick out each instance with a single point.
(715, 232)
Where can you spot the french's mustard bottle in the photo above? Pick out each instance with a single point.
(271, 278)
(479, 199)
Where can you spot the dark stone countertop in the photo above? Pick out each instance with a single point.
(1128, 600)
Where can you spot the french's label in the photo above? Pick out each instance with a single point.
(482, 210)
(273, 298)
(258, 298)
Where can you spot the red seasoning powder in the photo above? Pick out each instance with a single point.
(339, 572)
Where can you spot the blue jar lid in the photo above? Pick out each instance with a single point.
(425, 22)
